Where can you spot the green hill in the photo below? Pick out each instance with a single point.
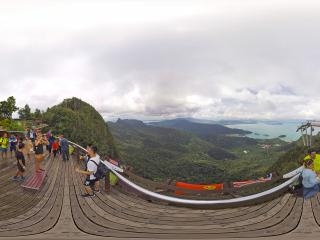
(160, 152)
(81, 123)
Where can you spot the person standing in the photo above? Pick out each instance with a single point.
(55, 148)
(31, 135)
(64, 144)
(21, 163)
(4, 143)
(13, 144)
(40, 141)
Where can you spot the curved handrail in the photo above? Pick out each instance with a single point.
(223, 202)
(293, 173)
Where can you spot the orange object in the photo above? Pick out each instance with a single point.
(199, 187)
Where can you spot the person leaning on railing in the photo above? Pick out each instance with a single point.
(91, 183)
(312, 154)
(310, 181)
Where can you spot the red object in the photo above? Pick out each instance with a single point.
(35, 181)
(114, 162)
(199, 187)
(55, 145)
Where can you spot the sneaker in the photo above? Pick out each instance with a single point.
(22, 178)
(14, 178)
(87, 195)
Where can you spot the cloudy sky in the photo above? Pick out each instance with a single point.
(155, 59)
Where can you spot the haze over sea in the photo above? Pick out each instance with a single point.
(267, 130)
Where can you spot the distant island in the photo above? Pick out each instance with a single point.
(282, 136)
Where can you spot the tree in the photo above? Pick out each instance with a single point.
(37, 114)
(25, 113)
(7, 108)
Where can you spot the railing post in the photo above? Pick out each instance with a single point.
(107, 185)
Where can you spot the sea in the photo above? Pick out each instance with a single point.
(287, 131)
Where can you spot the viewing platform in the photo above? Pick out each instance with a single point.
(57, 211)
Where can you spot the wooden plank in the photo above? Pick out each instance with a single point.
(35, 221)
(115, 223)
(20, 201)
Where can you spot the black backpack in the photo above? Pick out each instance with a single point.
(101, 170)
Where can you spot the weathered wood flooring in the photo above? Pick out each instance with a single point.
(57, 211)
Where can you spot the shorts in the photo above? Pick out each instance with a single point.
(90, 182)
(3, 149)
(13, 148)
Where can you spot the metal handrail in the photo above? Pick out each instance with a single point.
(224, 202)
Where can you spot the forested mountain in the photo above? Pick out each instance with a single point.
(161, 152)
(81, 123)
(200, 129)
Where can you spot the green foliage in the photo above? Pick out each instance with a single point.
(37, 114)
(7, 108)
(12, 125)
(159, 153)
(25, 113)
(81, 123)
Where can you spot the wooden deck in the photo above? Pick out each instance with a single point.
(57, 211)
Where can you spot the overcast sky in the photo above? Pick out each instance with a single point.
(155, 59)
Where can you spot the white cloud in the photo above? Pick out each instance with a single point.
(157, 59)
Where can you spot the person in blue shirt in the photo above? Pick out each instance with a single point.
(310, 181)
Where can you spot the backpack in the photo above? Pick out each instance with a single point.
(101, 170)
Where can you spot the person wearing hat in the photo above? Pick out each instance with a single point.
(312, 154)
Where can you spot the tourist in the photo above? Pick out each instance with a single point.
(31, 135)
(21, 164)
(4, 142)
(91, 183)
(55, 148)
(64, 144)
(310, 181)
(13, 144)
(40, 141)
(51, 140)
(312, 154)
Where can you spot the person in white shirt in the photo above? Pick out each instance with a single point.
(91, 182)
